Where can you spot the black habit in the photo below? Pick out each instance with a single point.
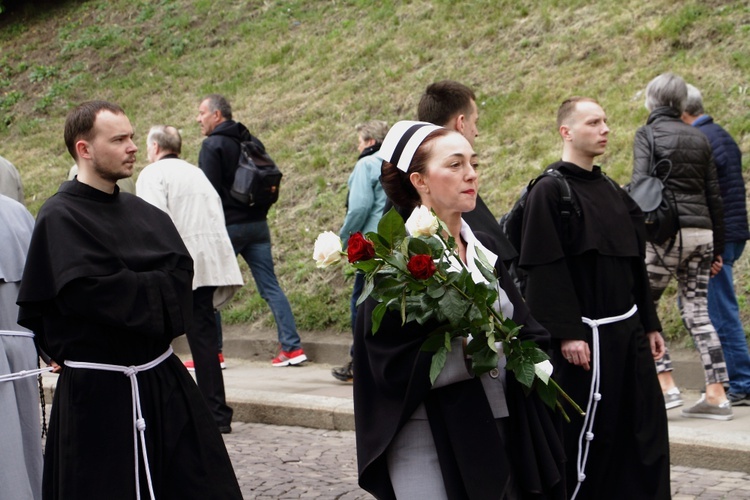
(592, 265)
(108, 280)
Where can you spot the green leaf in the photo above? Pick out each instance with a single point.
(438, 362)
(484, 266)
(389, 287)
(484, 360)
(391, 228)
(453, 306)
(367, 266)
(525, 373)
(418, 246)
(377, 316)
(437, 250)
(366, 291)
(435, 291)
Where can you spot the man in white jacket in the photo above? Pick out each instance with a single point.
(183, 191)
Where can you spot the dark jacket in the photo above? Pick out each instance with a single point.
(692, 178)
(728, 161)
(218, 159)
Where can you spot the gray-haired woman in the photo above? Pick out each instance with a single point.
(695, 255)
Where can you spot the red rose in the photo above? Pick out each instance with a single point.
(421, 266)
(359, 248)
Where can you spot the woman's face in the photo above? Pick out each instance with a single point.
(449, 182)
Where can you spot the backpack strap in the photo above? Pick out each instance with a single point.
(568, 204)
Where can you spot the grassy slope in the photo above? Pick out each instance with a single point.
(301, 74)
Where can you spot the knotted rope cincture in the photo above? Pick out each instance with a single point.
(139, 423)
(9, 377)
(595, 396)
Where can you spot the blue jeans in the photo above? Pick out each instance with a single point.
(252, 240)
(725, 316)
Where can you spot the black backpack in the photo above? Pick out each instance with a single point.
(512, 222)
(257, 179)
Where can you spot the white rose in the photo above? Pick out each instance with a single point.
(543, 370)
(327, 249)
(421, 222)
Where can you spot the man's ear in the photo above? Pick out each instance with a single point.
(83, 149)
(459, 123)
(565, 133)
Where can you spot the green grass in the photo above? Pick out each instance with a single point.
(301, 74)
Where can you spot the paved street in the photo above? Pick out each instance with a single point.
(280, 462)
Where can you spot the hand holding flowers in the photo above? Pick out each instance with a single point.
(420, 276)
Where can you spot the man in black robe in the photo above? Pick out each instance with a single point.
(590, 265)
(106, 287)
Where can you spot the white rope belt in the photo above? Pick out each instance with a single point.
(594, 394)
(139, 423)
(9, 377)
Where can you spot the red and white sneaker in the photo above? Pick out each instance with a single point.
(190, 364)
(289, 358)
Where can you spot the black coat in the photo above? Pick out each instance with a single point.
(728, 160)
(219, 156)
(392, 380)
(693, 177)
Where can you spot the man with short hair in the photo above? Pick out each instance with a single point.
(453, 105)
(587, 284)
(106, 287)
(183, 192)
(247, 225)
(723, 309)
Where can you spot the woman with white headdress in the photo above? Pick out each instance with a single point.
(465, 436)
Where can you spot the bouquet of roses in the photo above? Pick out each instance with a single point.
(419, 275)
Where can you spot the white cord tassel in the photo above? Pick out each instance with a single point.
(587, 434)
(139, 423)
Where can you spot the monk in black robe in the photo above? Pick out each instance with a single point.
(590, 264)
(108, 281)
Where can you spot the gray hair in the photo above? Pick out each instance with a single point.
(166, 137)
(694, 102)
(219, 102)
(374, 129)
(668, 90)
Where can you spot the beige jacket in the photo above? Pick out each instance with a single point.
(183, 191)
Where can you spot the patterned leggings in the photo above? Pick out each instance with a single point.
(692, 267)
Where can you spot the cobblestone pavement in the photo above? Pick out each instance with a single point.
(278, 462)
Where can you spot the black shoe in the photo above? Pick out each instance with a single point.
(225, 429)
(343, 373)
(738, 399)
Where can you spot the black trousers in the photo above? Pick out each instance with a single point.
(201, 337)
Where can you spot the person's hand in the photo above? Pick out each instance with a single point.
(658, 349)
(55, 367)
(716, 265)
(576, 352)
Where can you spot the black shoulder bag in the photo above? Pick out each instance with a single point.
(656, 200)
